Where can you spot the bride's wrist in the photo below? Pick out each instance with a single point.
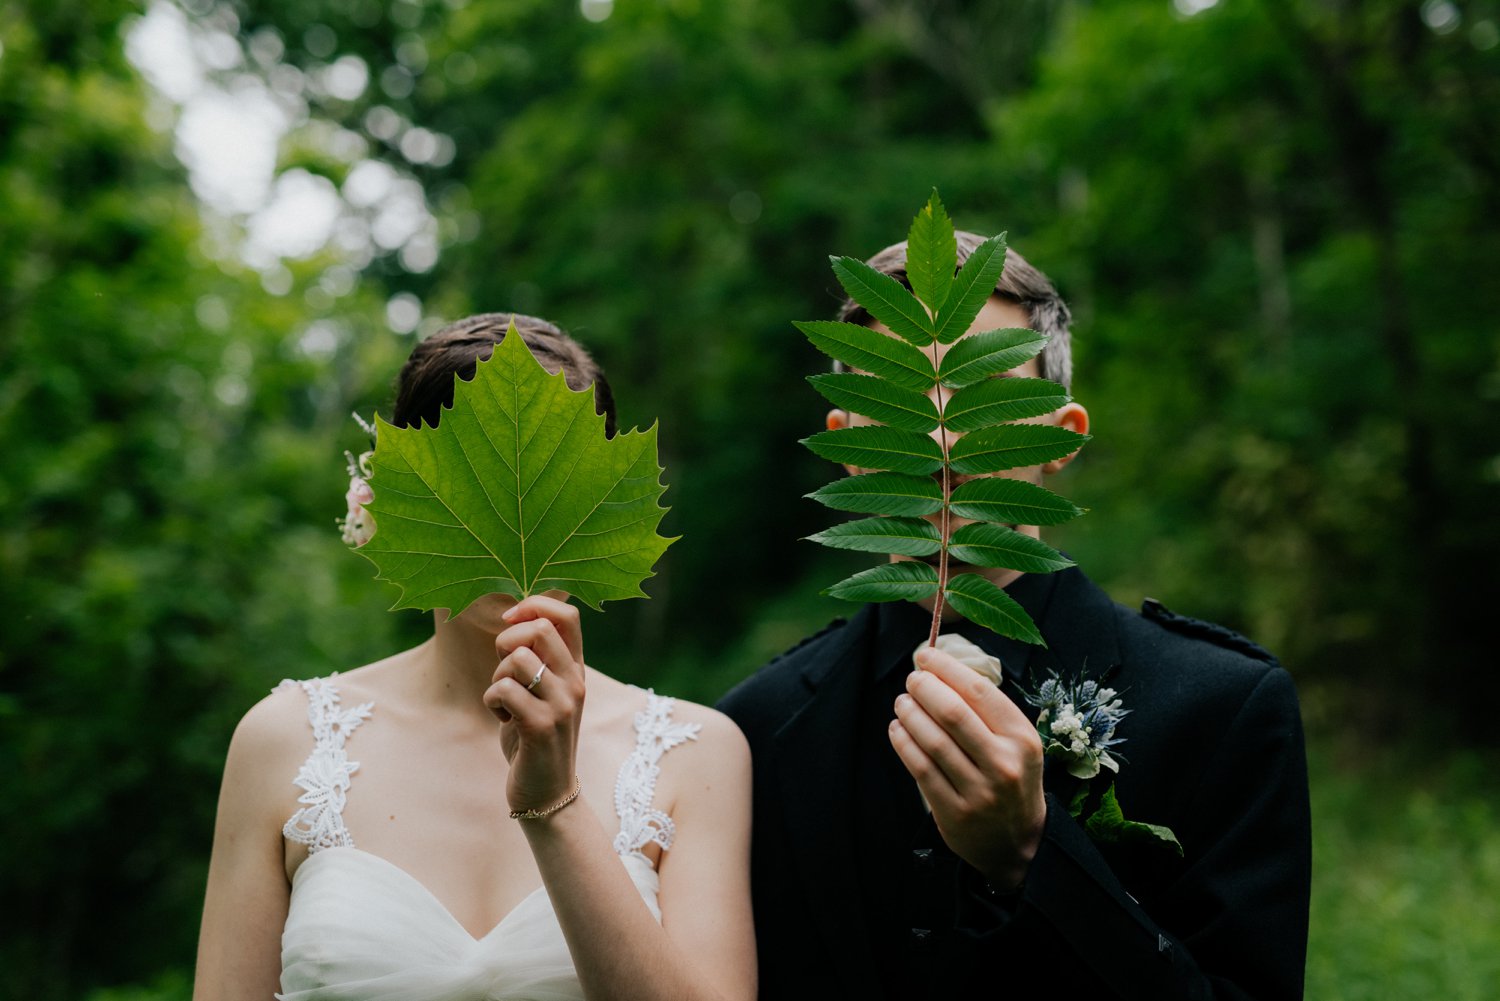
(543, 812)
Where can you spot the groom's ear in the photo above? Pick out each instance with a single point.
(837, 420)
(1075, 418)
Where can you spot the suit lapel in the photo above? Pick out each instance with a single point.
(814, 762)
(1081, 627)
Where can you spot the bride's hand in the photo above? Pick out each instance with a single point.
(539, 727)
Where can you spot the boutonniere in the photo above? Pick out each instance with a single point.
(1077, 724)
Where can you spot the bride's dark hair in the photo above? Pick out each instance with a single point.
(425, 385)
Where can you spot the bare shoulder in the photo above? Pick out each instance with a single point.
(268, 747)
(273, 727)
(715, 727)
(719, 751)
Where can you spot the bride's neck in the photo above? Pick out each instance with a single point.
(461, 660)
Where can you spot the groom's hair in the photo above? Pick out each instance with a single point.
(1019, 283)
(425, 386)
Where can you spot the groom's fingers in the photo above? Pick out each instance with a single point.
(993, 706)
(937, 744)
(941, 795)
(957, 718)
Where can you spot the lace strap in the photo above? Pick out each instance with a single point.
(324, 776)
(655, 735)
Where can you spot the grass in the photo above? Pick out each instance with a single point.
(1406, 875)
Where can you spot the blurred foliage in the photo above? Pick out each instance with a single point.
(1406, 897)
(1274, 219)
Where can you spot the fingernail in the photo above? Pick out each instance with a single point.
(902, 701)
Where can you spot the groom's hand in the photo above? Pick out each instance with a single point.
(978, 761)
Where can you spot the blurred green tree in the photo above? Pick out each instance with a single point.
(1275, 222)
(171, 435)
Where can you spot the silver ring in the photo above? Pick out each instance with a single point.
(538, 679)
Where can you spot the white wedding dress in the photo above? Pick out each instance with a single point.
(360, 928)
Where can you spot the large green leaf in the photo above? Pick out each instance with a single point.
(979, 600)
(516, 491)
(878, 400)
(992, 401)
(892, 536)
(871, 351)
(886, 299)
(982, 355)
(877, 447)
(972, 288)
(984, 545)
(931, 254)
(1013, 502)
(882, 493)
(904, 580)
(1011, 446)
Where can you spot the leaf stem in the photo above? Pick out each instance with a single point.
(937, 604)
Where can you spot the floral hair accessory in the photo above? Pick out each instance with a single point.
(357, 526)
(1077, 724)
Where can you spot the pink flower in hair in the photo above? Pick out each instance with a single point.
(357, 526)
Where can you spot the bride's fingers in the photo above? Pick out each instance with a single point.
(529, 691)
(563, 616)
(543, 639)
(509, 700)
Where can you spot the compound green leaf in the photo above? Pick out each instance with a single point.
(870, 351)
(516, 491)
(982, 355)
(1011, 502)
(883, 493)
(886, 299)
(877, 447)
(1011, 446)
(931, 254)
(891, 536)
(992, 401)
(878, 400)
(972, 288)
(905, 580)
(979, 600)
(984, 545)
(940, 307)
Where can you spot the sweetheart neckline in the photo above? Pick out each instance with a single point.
(427, 892)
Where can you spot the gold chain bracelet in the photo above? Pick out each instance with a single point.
(539, 814)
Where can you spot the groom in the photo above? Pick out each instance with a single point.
(861, 892)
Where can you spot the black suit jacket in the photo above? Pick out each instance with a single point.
(1214, 750)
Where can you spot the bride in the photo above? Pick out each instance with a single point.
(381, 836)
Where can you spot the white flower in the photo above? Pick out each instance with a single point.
(1077, 724)
(967, 654)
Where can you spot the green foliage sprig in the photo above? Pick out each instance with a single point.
(892, 382)
(516, 491)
